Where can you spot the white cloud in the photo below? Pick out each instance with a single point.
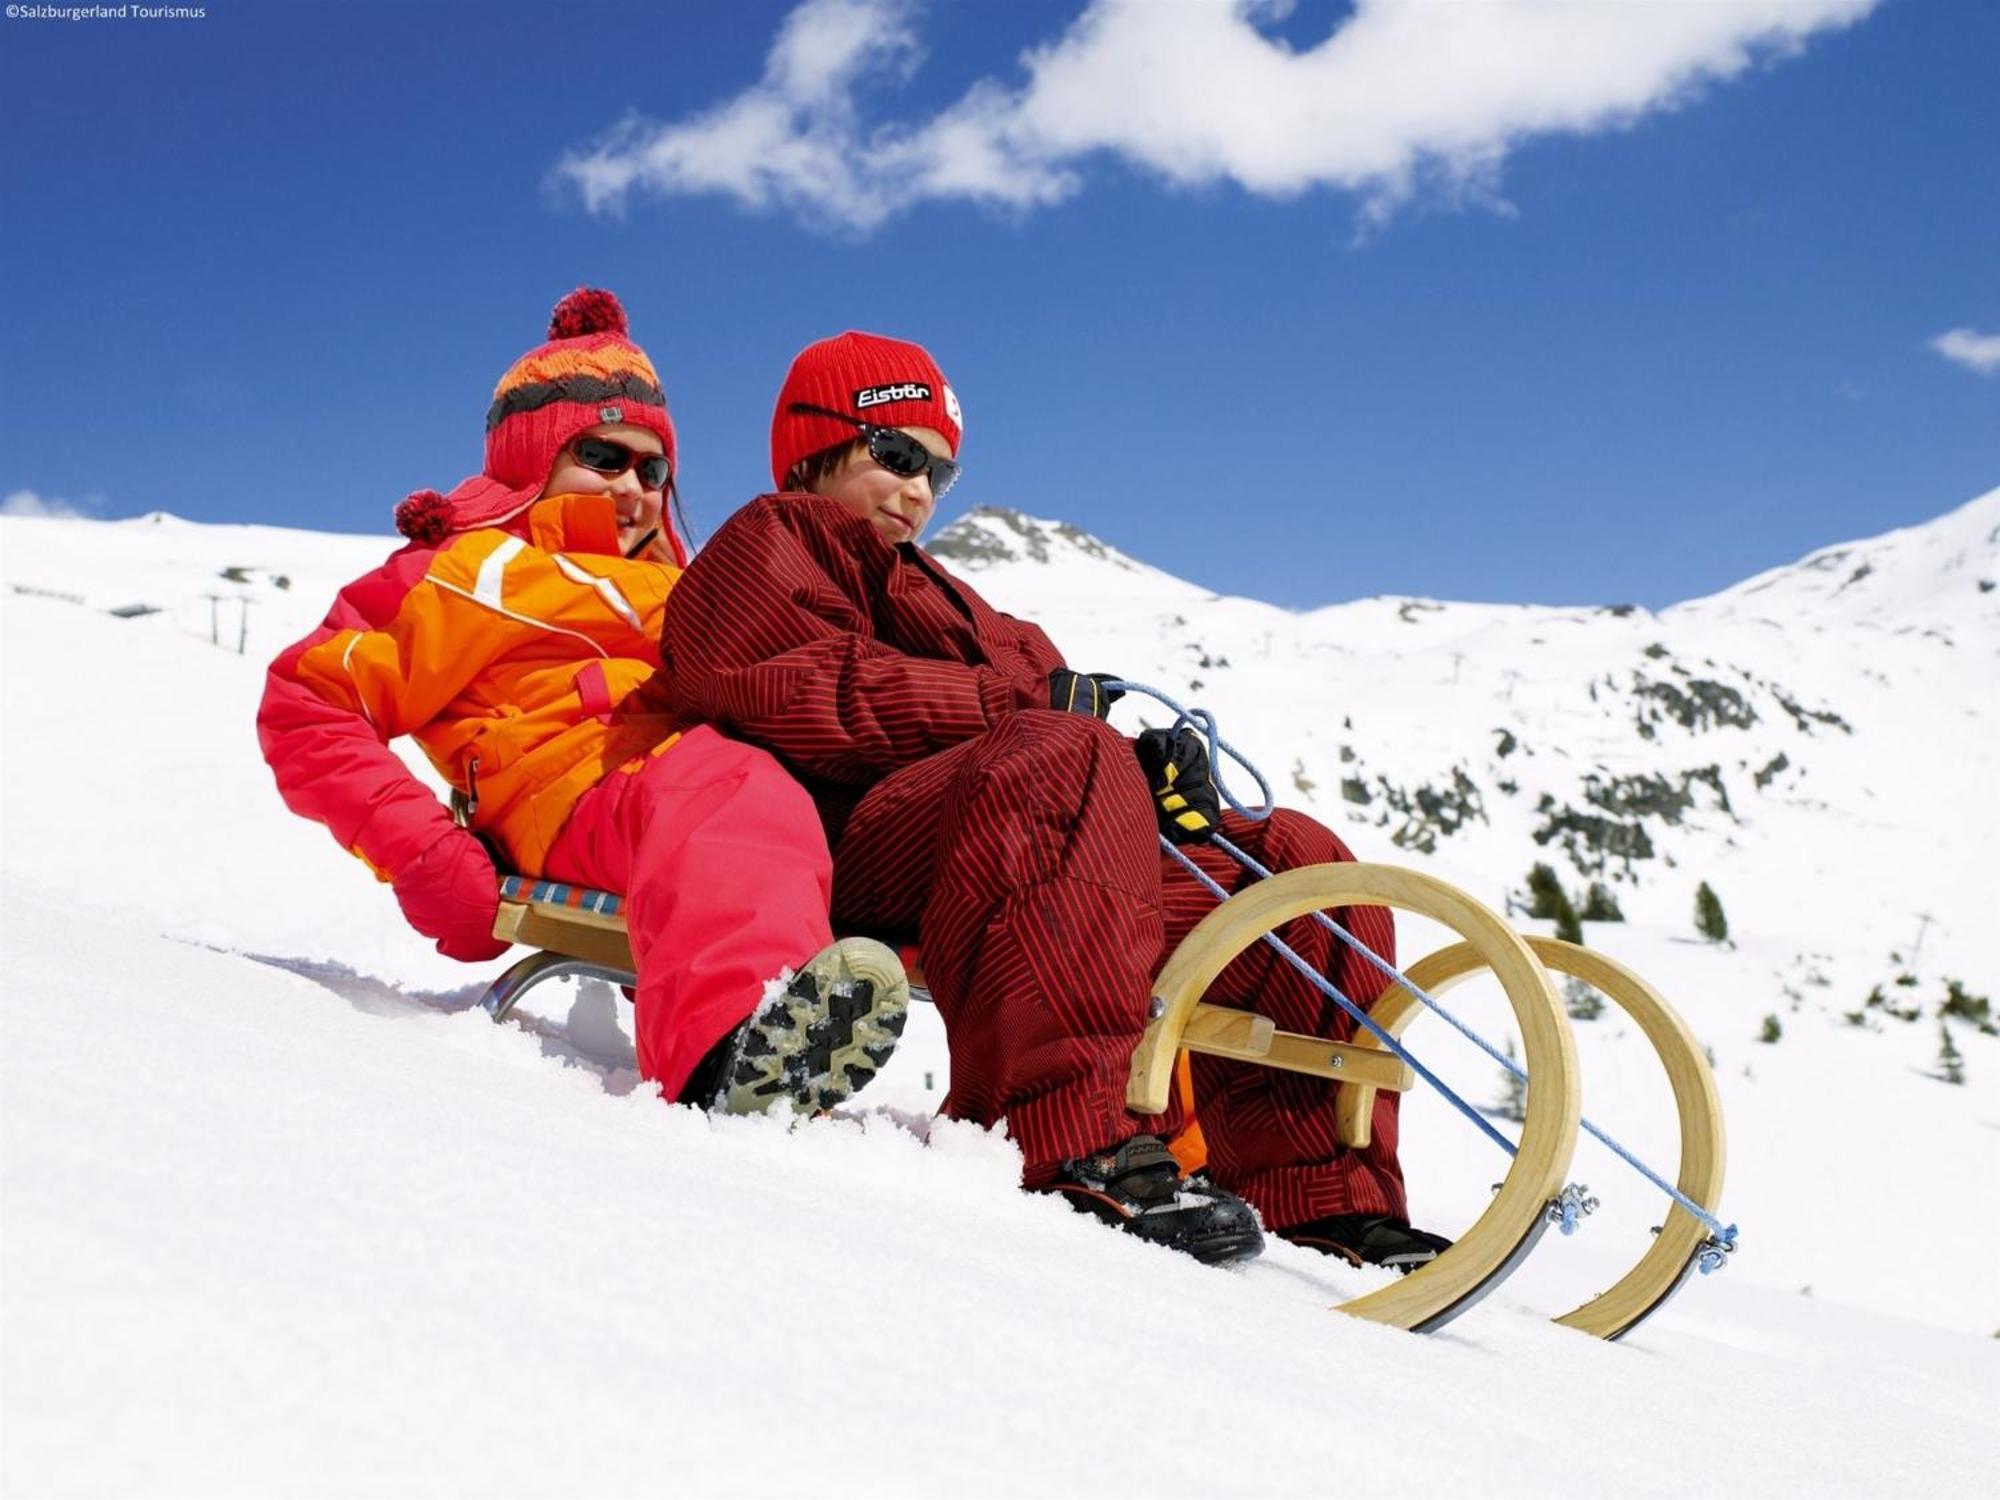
(1399, 94)
(793, 139)
(28, 503)
(1976, 351)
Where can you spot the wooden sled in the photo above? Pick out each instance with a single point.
(583, 932)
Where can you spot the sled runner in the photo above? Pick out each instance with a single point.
(1681, 1242)
(582, 932)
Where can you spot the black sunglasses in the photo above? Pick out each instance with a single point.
(895, 450)
(601, 455)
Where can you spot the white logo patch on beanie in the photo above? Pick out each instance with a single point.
(951, 408)
(882, 395)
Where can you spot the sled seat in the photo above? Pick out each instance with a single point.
(573, 930)
(571, 920)
(576, 931)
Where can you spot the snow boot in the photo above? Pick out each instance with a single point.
(817, 1039)
(1368, 1239)
(1138, 1188)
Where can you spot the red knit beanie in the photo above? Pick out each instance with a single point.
(588, 373)
(881, 380)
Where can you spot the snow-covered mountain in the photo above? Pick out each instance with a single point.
(1818, 744)
(279, 1214)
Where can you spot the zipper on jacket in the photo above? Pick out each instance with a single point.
(466, 803)
(915, 555)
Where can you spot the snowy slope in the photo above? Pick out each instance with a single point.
(279, 1214)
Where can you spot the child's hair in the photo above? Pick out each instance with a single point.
(812, 471)
(681, 516)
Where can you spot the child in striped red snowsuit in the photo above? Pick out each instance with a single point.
(973, 808)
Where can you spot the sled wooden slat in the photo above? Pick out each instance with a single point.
(1221, 1032)
(1697, 1103)
(1430, 1296)
(565, 930)
(1342, 1062)
(1245, 1036)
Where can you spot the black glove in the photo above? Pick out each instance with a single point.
(1083, 693)
(1184, 796)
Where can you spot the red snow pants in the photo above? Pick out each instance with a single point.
(1026, 862)
(722, 861)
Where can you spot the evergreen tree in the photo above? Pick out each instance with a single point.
(1961, 1004)
(1567, 927)
(1513, 1103)
(1772, 1030)
(1599, 905)
(1708, 918)
(1951, 1062)
(1581, 1000)
(1547, 898)
(1545, 892)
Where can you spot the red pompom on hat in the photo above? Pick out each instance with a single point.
(587, 310)
(890, 382)
(588, 374)
(424, 517)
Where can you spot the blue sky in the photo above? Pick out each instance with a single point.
(266, 266)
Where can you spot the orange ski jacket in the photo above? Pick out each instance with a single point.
(523, 659)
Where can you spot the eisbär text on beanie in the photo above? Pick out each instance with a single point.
(890, 382)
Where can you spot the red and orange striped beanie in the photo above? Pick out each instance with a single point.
(588, 373)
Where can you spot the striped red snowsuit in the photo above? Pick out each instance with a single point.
(1017, 845)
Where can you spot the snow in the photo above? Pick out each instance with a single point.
(279, 1212)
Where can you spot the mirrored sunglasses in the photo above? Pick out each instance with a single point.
(606, 456)
(895, 450)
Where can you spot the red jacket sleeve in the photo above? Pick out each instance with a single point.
(332, 763)
(798, 629)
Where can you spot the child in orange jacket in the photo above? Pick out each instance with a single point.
(516, 638)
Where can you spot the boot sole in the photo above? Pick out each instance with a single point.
(825, 1037)
(1228, 1249)
(1219, 1245)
